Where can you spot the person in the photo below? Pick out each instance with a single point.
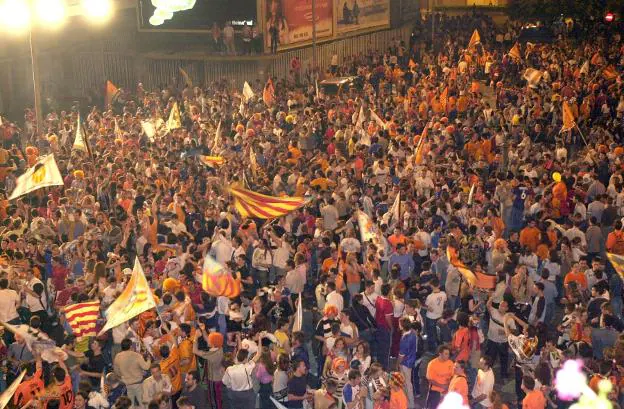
(31, 386)
(130, 366)
(397, 391)
(297, 385)
(496, 344)
(60, 388)
(213, 369)
(193, 391)
(238, 380)
(155, 384)
(9, 301)
(353, 394)
(459, 383)
(534, 398)
(408, 355)
(434, 303)
(440, 370)
(383, 319)
(484, 384)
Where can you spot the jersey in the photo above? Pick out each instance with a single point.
(171, 367)
(29, 389)
(63, 392)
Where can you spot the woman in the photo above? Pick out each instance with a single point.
(398, 400)
(265, 367)
(353, 274)
(339, 350)
(362, 355)
(280, 379)
(398, 312)
(497, 401)
(213, 369)
(261, 261)
(80, 400)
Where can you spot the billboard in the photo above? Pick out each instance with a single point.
(356, 15)
(288, 23)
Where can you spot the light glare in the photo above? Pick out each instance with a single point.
(155, 21)
(99, 10)
(14, 15)
(50, 11)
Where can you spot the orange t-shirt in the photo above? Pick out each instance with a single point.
(171, 367)
(398, 400)
(186, 352)
(534, 400)
(530, 237)
(28, 390)
(459, 385)
(579, 278)
(328, 264)
(440, 372)
(461, 344)
(63, 393)
(395, 240)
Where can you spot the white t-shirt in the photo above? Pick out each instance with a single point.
(435, 305)
(335, 298)
(35, 304)
(9, 299)
(369, 302)
(483, 386)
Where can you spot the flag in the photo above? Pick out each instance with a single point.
(111, 93)
(474, 39)
(585, 68)
(532, 76)
(247, 92)
(268, 94)
(8, 393)
(149, 128)
(515, 53)
(471, 194)
(596, 59)
(45, 173)
(568, 117)
(82, 318)
(174, 121)
(617, 262)
(418, 157)
(212, 161)
(187, 78)
(135, 299)
(393, 216)
(369, 233)
(475, 87)
(217, 138)
(1, 123)
(252, 204)
(377, 119)
(453, 258)
(241, 107)
(444, 99)
(37, 341)
(81, 142)
(298, 322)
(609, 73)
(360, 118)
(253, 161)
(118, 131)
(411, 64)
(217, 281)
(318, 95)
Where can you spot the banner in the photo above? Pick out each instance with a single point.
(290, 21)
(355, 15)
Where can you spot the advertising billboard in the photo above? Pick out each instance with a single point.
(288, 23)
(356, 15)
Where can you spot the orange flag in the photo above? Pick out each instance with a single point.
(568, 118)
(268, 94)
(515, 52)
(111, 92)
(419, 147)
(475, 87)
(411, 64)
(474, 39)
(444, 99)
(609, 73)
(217, 281)
(453, 259)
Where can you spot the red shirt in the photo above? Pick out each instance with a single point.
(383, 308)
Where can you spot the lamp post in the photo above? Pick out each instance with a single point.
(34, 64)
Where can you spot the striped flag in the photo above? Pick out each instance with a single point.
(212, 161)
(252, 204)
(218, 281)
(82, 318)
(515, 53)
(474, 39)
(453, 258)
(617, 262)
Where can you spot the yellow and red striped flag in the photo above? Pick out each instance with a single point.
(515, 53)
(82, 318)
(268, 94)
(212, 161)
(218, 281)
(617, 262)
(532, 76)
(568, 117)
(252, 204)
(610, 73)
(453, 258)
(474, 39)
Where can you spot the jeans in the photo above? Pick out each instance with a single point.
(409, 388)
(500, 349)
(453, 302)
(384, 335)
(265, 396)
(432, 333)
(354, 289)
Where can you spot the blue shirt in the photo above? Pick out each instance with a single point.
(300, 353)
(408, 347)
(405, 261)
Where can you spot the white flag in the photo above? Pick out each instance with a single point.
(471, 194)
(8, 393)
(585, 68)
(80, 141)
(149, 128)
(247, 92)
(360, 118)
(298, 322)
(391, 218)
(45, 173)
(377, 119)
(277, 404)
(217, 138)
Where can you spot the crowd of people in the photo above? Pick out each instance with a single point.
(478, 162)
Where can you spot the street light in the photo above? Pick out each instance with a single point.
(15, 18)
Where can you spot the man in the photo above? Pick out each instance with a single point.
(440, 370)
(538, 306)
(353, 393)
(170, 365)
(238, 379)
(193, 390)
(334, 297)
(434, 303)
(484, 384)
(404, 260)
(155, 384)
(384, 312)
(458, 383)
(297, 385)
(9, 301)
(61, 387)
(534, 398)
(496, 344)
(31, 385)
(330, 215)
(408, 354)
(130, 366)
(369, 296)
(299, 351)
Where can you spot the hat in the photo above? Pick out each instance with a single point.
(397, 380)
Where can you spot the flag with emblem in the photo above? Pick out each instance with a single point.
(515, 53)
(112, 92)
(81, 142)
(475, 39)
(617, 262)
(568, 117)
(453, 259)
(187, 79)
(268, 94)
(252, 204)
(45, 173)
(218, 281)
(135, 299)
(212, 161)
(82, 318)
(174, 121)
